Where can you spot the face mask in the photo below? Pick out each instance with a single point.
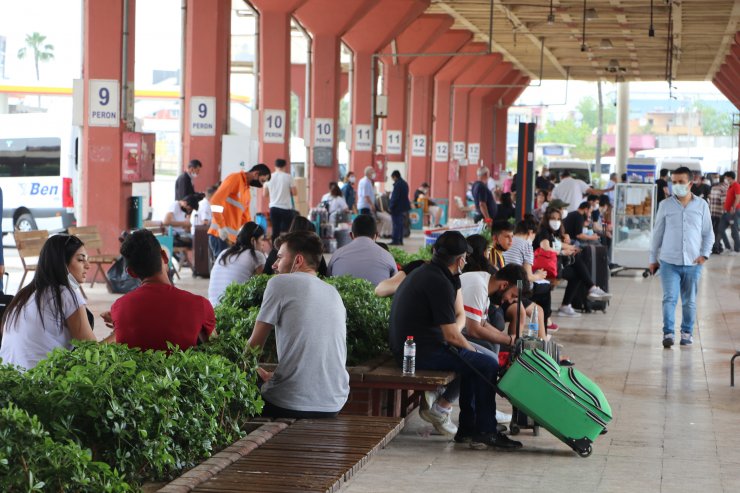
(563, 213)
(546, 174)
(184, 210)
(292, 266)
(193, 175)
(352, 179)
(255, 183)
(680, 190)
(372, 176)
(554, 224)
(72, 281)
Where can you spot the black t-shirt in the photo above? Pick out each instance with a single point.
(701, 190)
(544, 234)
(481, 193)
(183, 186)
(573, 224)
(424, 302)
(661, 184)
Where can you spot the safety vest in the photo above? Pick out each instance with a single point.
(230, 206)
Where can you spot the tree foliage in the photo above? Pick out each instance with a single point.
(42, 52)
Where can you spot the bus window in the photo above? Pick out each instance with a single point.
(30, 157)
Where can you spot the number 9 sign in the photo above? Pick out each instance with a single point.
(203, 116)
(103, 107)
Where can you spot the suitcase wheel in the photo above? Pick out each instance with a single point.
(585, 452)
(536, 430)
(514, 429)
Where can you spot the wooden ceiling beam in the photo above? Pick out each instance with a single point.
(727, 39)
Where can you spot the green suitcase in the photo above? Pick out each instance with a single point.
(563, 401)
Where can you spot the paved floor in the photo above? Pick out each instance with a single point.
(676, 420)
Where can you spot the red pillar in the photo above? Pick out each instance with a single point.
(422, 70)
(274, 78)
(375, 30)
(494, 77)
(207, 48)
(326, 30)
(103, 193)
(442, 125)
(500, 122)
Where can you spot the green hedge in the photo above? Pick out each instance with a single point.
(402, 257)
(367, 317)
(147, 414)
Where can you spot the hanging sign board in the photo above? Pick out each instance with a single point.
(418, 145)
(104, 107)
(458, 150)
(273, 126)
(441, 152)
(393, 142)
(202, 116)
(473, 153)
(323, 132)
(363, 138)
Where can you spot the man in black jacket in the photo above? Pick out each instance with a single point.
(184, 183)
(399, 205)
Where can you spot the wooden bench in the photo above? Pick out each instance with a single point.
(307, 455)
(29, 244)
(158, 228)
(90, 236)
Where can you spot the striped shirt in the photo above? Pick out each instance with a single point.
(520, 252)
(717, 199)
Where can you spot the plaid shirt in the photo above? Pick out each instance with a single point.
(717, 199)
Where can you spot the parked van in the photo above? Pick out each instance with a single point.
(39, 159)
(580, 170)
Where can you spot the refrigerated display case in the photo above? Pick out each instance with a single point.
(633, 218)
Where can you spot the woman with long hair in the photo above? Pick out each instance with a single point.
(299, 223)
(50, 311)
(551, 237)
(239, 262)
(478, 259)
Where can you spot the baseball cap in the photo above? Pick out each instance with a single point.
(452, 243)
(558, 204)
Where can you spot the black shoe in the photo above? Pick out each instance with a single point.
(463, 436)
(667, 342)
(395, 244)
(566, 362)
(495, 440)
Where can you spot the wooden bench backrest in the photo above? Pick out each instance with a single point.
(89, 235)
(155, 227)
(29, 244)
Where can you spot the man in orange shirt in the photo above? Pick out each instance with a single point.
(230, 206)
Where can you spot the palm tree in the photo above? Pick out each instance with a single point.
(41, 52)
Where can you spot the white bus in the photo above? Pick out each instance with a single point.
(39, 162)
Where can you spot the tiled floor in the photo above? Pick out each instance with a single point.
(676, 423)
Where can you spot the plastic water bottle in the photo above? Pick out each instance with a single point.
(409, 356)
(532, 329)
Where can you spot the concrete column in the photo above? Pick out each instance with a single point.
(501, 99)
(325, 76)
(207, 49)
(274, 73)
(298, 86)
(623, 108)
(104, 195)
(482, 95)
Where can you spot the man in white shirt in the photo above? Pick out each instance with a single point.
(572, 190)
(366, 192)
(280, 189)
(204, 214)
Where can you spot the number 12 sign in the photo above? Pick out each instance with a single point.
(203, 116)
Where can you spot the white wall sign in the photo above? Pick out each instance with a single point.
(273, 126)
(323, 132)
(363, 138)
(442, 152)
(203, 116)
(474, 153)
(458, 150)
(393, 142)
(104, 109)
(418, 145)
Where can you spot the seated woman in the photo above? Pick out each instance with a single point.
(299, 223)
(336, 204)
(50, 311)
(552, 237)
(239, 262)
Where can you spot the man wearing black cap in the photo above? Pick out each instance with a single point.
(424, 308)
(576, 222)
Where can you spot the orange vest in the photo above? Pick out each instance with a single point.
(233, 196)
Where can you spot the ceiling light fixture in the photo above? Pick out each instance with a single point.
(606, 44)
(583, 35)
(651, 29)
(551, 16)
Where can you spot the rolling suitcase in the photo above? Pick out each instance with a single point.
(202, 261)
(596, 258)
(564, 401)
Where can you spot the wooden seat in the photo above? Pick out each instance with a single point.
(90, 236)
(29, 244)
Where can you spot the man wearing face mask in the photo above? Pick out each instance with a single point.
(184, 182)
(366, 192)
(348, 191)
(310, 380)
(230, 206)
(682, 242)
(424, 308)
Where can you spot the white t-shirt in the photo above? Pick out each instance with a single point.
(491, 184)
(279, 189)
(178, 216)
(365, 193)
(26, 341)
(237, 269)
(337, 204)
(202, 216)
(571, 191)
(474, 287)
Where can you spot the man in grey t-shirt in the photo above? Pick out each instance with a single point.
(362, 257)
(311, 380)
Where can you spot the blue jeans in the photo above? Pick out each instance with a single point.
(398, 224)
(217, 245)
(735, 218)
(477, 396)
(677, 279)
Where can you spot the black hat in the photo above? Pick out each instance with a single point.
(584, 205)
(452, 243)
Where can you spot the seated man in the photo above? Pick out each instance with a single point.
(157, 312)
(383, 214)
(421, 197)
(424, 308)
(178, 218)
(309, 319)
(576, 225)
(362, 257)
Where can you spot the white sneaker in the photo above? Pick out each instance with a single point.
(440, 420)
(568, 311)
(598, 294)
(428, 399)
(502, 417)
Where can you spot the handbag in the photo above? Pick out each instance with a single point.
(546, 260)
